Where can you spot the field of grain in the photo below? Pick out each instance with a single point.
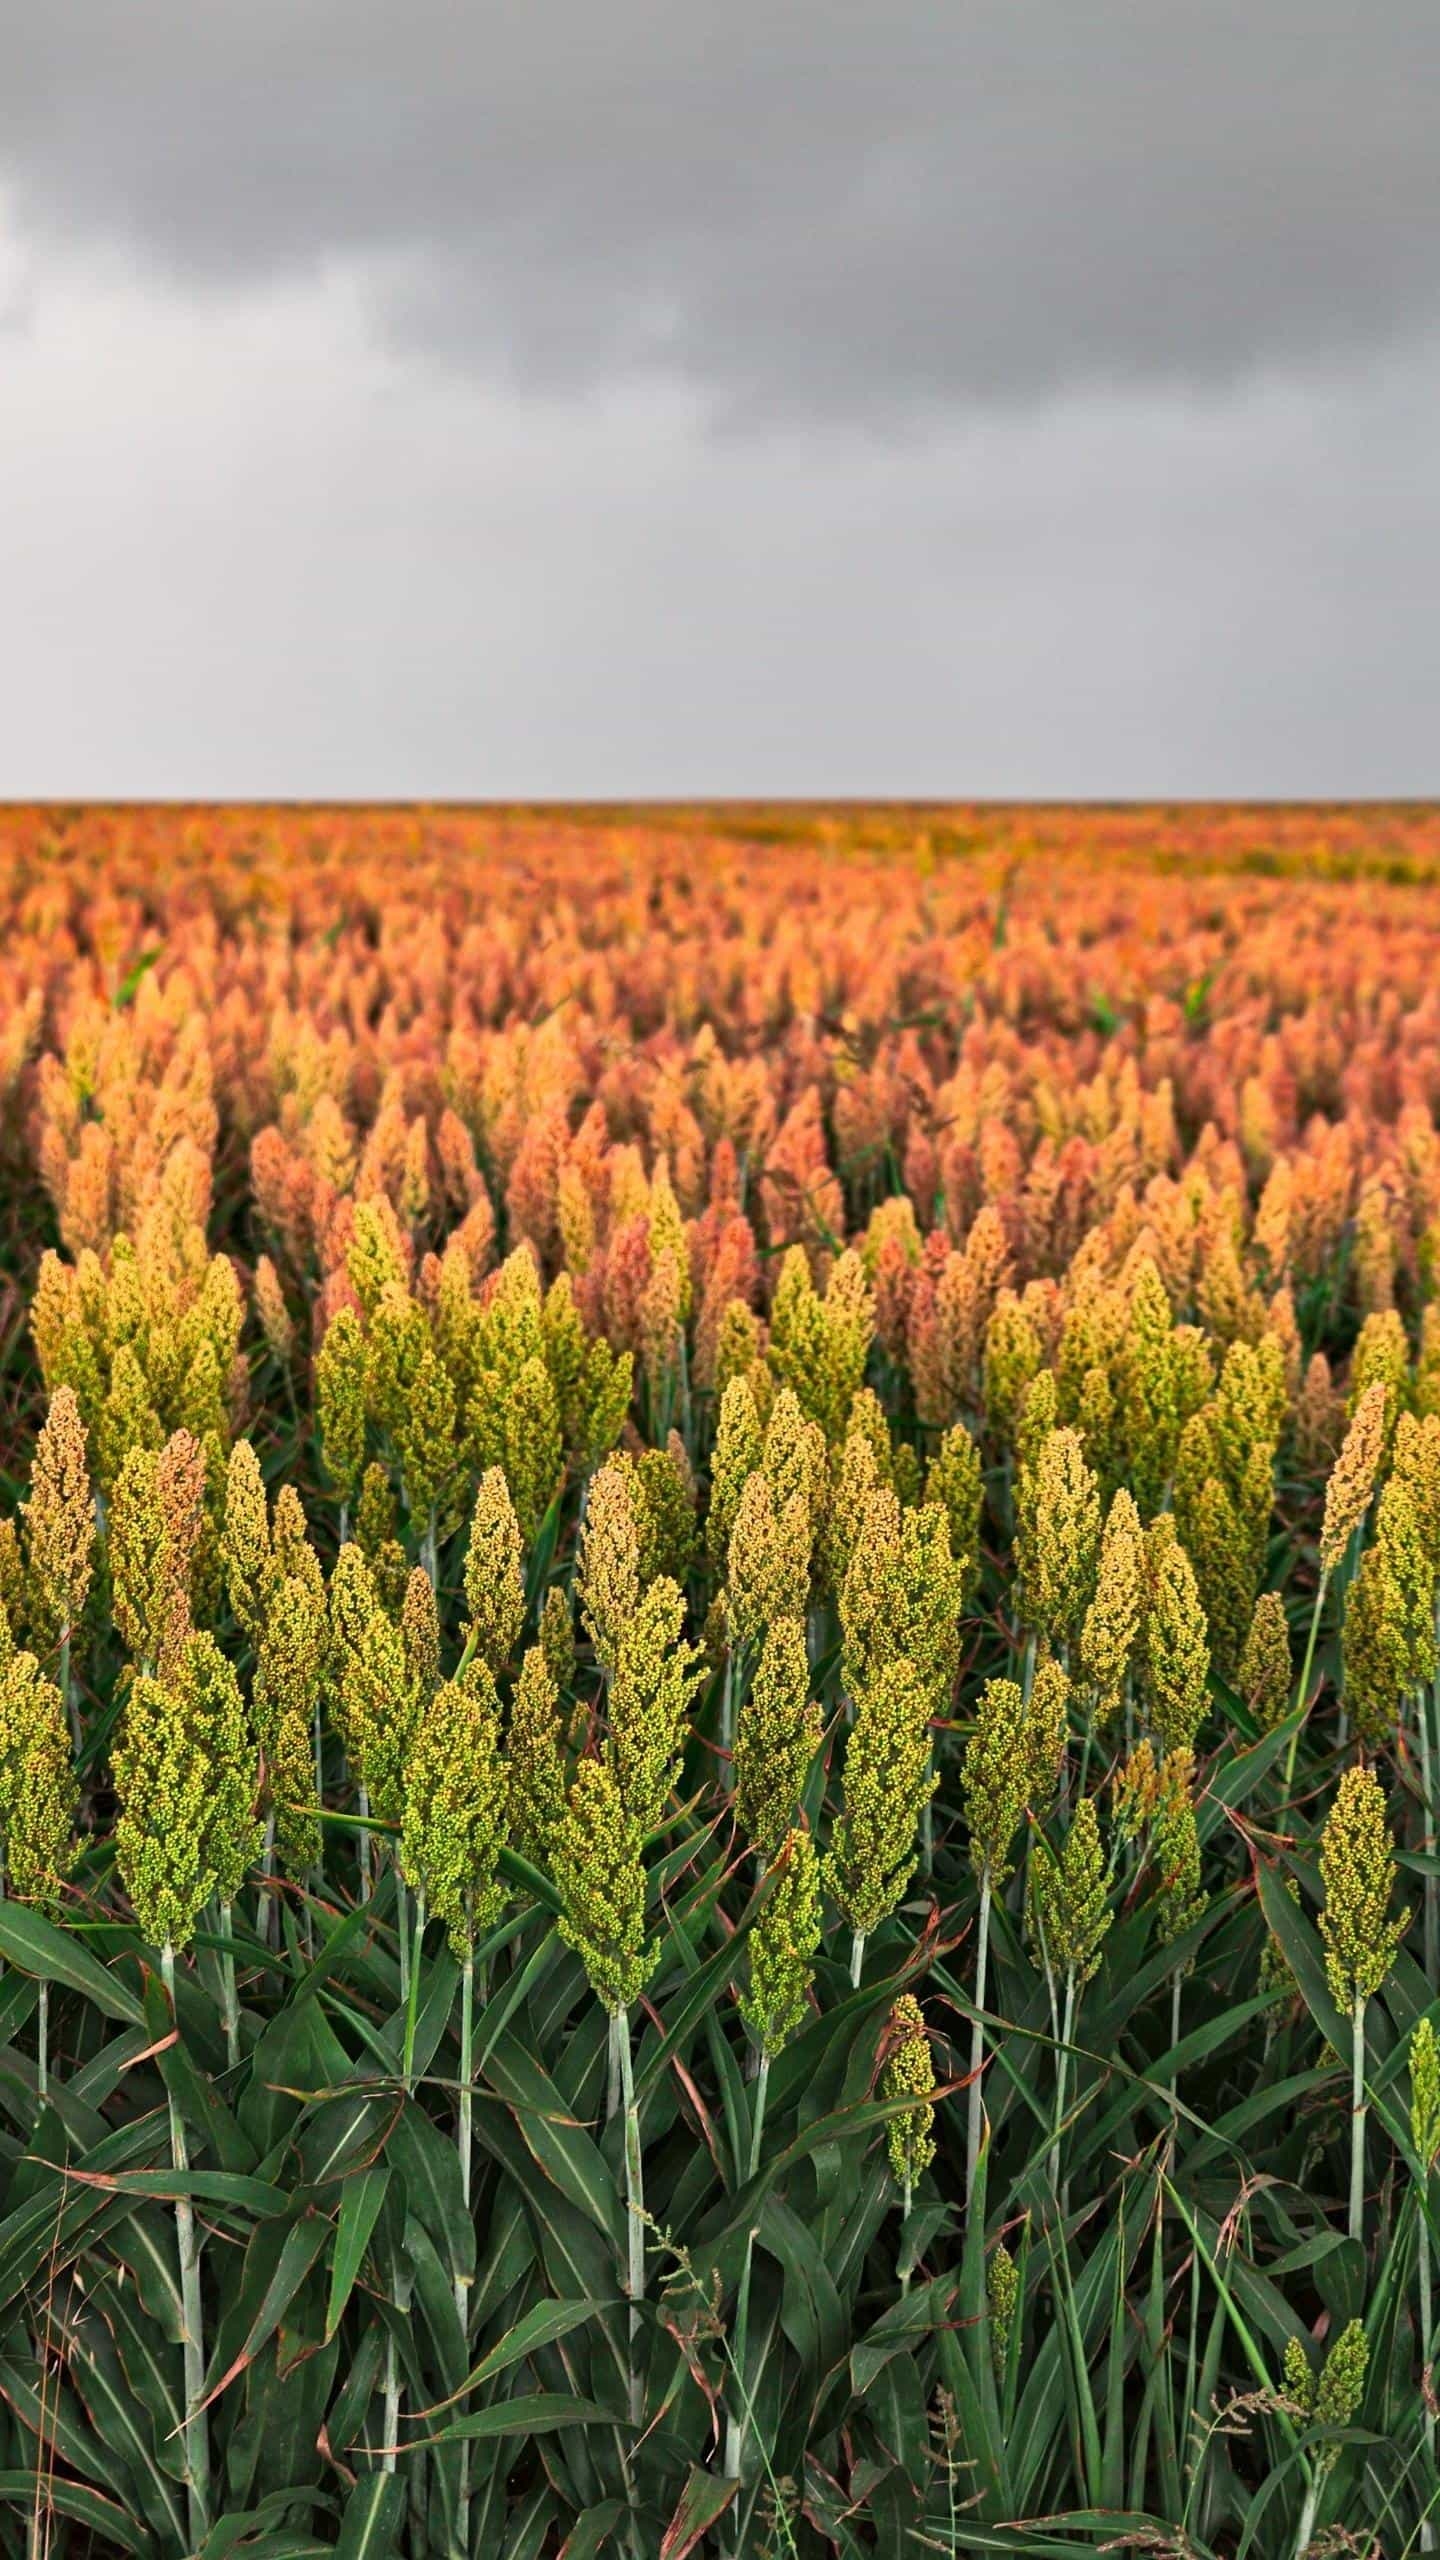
(719, 1581)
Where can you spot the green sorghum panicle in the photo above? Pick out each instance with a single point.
(494, 1575)
(1352, 1478)
(1175, 1848)
(1057, 1538)
(607, 1578)
(340, 1401)
(1046, 1733)
(885, 1784)
(909, 2072)
(1002, 2293)
(739, 1445)
(1265, 1671)
(1425, 2093)
(455, 1819)
(537, 1758)
(1357, 1869)
(597, 1866)
(60, 1520)
(656, 1675)
(995, 1778)
(38, 1792)
(777, 1738)
(782, 1947)
(420, 1635)
(1112, 1621)
(1174, 1648)
(249, 1568)
(288, 1677)
(1071, 1905)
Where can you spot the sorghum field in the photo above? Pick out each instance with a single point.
(718, 1683)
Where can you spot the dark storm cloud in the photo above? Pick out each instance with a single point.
(833, 210)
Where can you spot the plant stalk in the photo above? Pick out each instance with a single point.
(197, 2436)
(977, 2041)
(1303, 1692)
(735, 2425)
(634, 2207)
(1357, 2122)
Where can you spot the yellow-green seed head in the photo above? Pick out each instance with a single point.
(1002, 2293)
(954, 1479)
(769, 1563)
(537, 1758)
(739, 1446)
(1264, 1674)
(656, 1675)
(1057, 1538)
(340, 1401)
(494, 1575)
(1047, 1728)
(909, 2072)
(1071, 1909)
(607, 1577)
(597, 1867)
(249, 1567)
(288, 1674)
(776, 1739)
(60, 1520)
(1174, 1657)
(885, 1783)
(456, 1806)
(1111, 1626)
(1357, 1869)
(1425, 2093)
(1175, 1849)
(38, 1792)
(1352, 1478)
(995, 1778)
(782, 1946)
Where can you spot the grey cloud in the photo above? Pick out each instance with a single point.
(856, 212)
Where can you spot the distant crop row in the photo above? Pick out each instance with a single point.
(719, 1685)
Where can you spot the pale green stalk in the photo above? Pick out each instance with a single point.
(464, 2146)
(977, 2040)
(1357, 2122)
(42, 2060)
(1303, 1692)
(634, 2207)
(857, 1957)
(736, 2424)
(1427, 2326)
(196, 2431)
(229, 1998)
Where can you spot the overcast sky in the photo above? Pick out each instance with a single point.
(932, 397)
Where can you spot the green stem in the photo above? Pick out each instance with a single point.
(464, 2146)
(1427, 1840)
(977, 2041)
(1302, 1694)
(402, 1931)
(857, 1957)
(735, 2426)
(634, 2209)
(1307, 2517)
(196, 2432)
(267, 1870)
(67, 1692)
(229, 1998)
(412, 1993)
(1427, 2322)
(363, 1844)
(1062, 2074)
(1357, 2122)
(42, 2059)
